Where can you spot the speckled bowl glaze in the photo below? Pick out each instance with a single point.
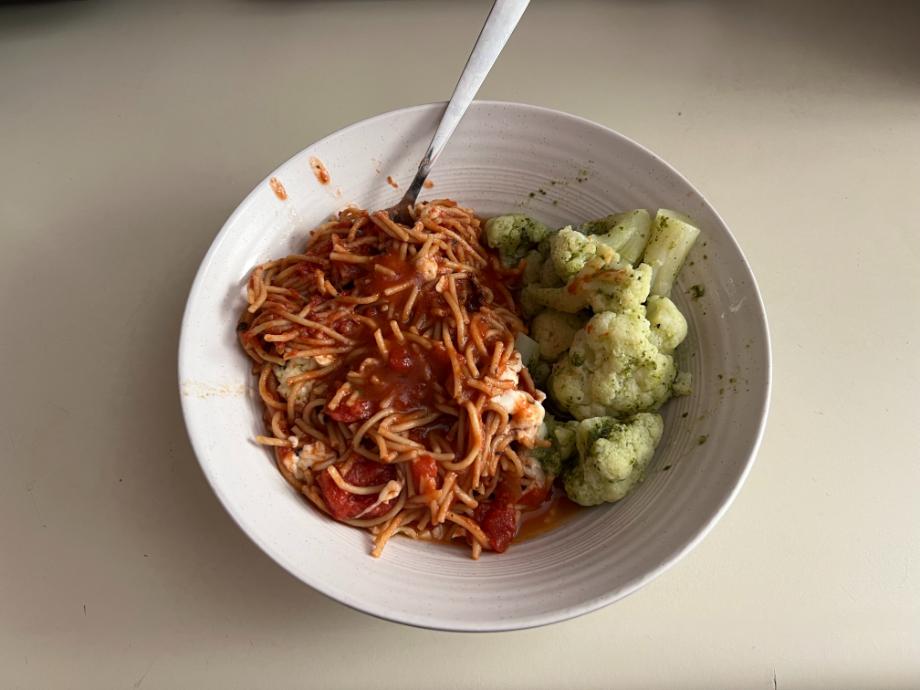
(503, 157)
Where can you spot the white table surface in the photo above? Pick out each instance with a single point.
(128, 133)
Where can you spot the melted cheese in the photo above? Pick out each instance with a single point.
(392, 489)
(524, 410)
(426, 267)
(310, 454)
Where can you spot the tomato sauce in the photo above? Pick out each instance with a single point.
(554, 512)
(319, 170)
(425, 474)
(407, 376)
(278, 188)
(345, 505)
(498, 521)
(399, 272)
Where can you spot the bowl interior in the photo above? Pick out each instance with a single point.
(503, 157)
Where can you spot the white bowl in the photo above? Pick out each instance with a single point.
(503, 157)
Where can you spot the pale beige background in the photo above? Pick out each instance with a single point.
(128, 133)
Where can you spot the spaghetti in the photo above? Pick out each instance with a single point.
(393, 396)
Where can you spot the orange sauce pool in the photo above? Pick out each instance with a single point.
(553, 513)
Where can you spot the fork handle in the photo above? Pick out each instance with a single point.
(502, 20)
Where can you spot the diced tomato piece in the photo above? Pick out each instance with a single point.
(347, 326)
(342, 504)
(533, 498)
(498, 521)
(507, 492)
(401, 358)
(356, 411)
(497, 518)
(343, 274)
(439, 361)
(425, 474)
(370, 473)
(345, 505)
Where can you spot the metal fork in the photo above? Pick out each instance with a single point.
(495, 33)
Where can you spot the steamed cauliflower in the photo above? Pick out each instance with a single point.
(554, 331)
(614, 368)
(533, 267)
(538, 269)
(619, 288)
(612, 457)
(529, 350)
(571, 252)
(540, 371)
(668, 325)
(536, 298)
(514, 236)
(607, 376)
(627, 233)
(561, 436)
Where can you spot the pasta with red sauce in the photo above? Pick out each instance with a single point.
(393, 396)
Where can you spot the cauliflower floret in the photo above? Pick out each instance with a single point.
(572, 251)
(612, 457)
(669, 327)
(548, 275)
(627, 233)
(538, 269)
(683, 384)
(618, 288)
(539, 372)
(535, 298)
(529, 351)
(554, 331)
(561, 436)
(533, 267)
(613, 368)
(594, 274)
(514, 235)
(671, 239)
